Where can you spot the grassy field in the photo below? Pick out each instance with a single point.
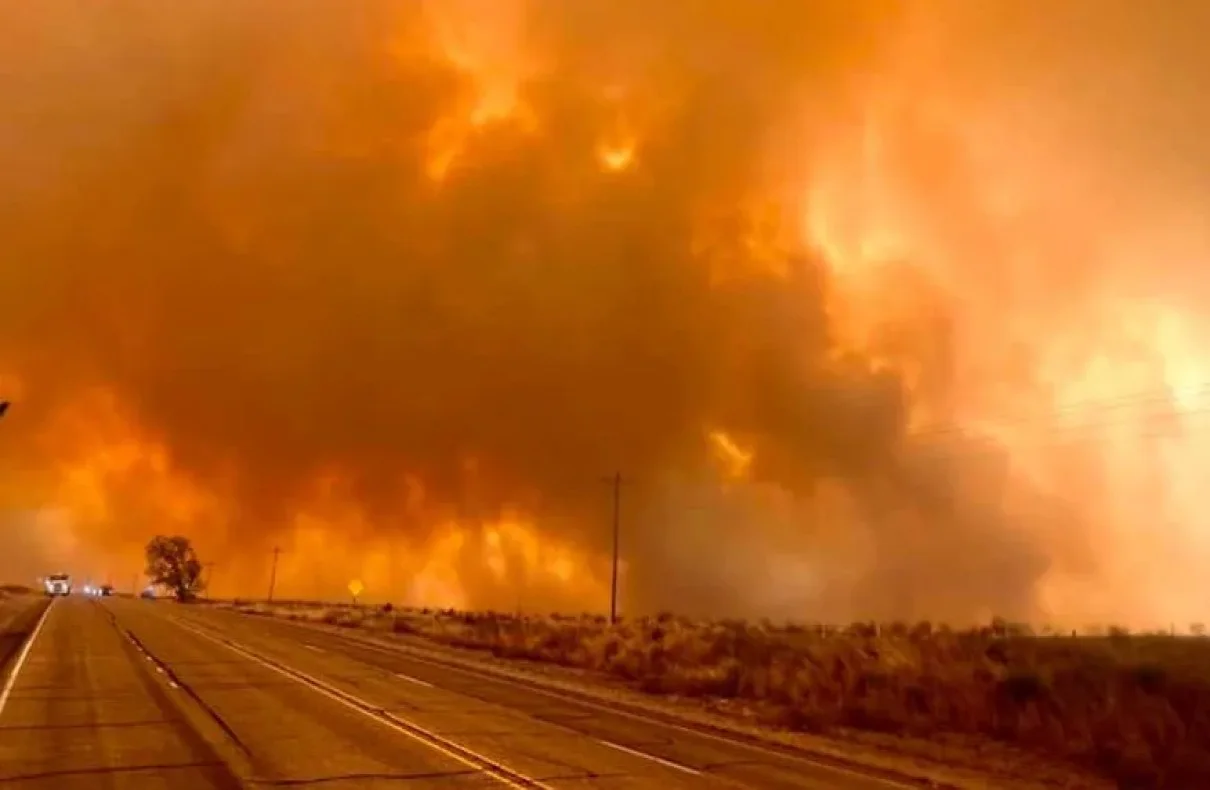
(1135, 708)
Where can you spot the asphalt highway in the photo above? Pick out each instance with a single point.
(82, 710)
(122, 694)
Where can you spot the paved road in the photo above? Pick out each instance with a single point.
(700, 760)
(84, 711)
(136, 694)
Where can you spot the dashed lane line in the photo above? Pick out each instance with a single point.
(455, 751)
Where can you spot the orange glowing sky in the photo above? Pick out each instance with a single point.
(882, 308)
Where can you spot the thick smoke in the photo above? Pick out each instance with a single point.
(342, 253)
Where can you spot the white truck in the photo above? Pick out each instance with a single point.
(58, 584)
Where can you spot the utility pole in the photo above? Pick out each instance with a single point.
(273, 572)
(616, 482)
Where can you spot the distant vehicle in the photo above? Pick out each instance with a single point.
(106, 589)
(58, 584)
(147, 593)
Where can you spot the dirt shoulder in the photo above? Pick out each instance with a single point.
(19, 613)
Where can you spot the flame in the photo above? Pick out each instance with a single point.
(466, 561)
(736, 460)
(616, 151)
(940, 222)
(107, 472)
(112, 472)
(616, 158)
(484, 43)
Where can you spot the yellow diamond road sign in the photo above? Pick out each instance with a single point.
(356, 587)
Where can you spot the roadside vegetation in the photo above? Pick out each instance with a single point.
(1134, 707)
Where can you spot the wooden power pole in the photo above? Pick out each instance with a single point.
(273, 572)
(616, 482)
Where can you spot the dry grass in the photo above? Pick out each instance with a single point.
(1135, 708)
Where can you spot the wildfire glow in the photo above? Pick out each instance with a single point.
(892, 265)
(735, 459)
(616, 157)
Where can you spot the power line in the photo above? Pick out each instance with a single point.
(1077, 408)
(841, 395)
(1150, 427)
(943, 440)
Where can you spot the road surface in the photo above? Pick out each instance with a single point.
(80, 709)
(139, 694)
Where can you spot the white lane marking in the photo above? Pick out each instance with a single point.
(421, 735)
(651, 757)
(625, 749)
(22, 656)
(535, 688)
(411, 679)
(171, 683)
(313, 647)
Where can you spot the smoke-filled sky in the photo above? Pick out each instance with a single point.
(881, 308)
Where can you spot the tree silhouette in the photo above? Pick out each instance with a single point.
(172, 562)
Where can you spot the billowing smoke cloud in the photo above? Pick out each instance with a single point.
(352, 277)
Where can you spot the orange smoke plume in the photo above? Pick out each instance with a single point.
(879, 311)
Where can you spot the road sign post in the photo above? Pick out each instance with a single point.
(356, 588)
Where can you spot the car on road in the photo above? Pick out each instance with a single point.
(58, 584)
(106, 589)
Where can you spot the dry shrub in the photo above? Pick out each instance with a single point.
(1136, 707)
